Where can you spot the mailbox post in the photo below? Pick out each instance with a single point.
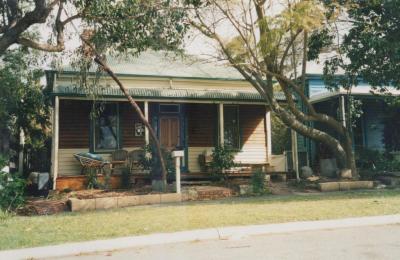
(177, 155)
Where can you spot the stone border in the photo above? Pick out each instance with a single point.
(77, 205)
(345, 185)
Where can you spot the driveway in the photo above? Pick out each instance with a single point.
(372, 242)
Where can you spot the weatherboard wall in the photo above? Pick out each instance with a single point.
(202, 129)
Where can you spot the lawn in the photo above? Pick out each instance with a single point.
(19, 232)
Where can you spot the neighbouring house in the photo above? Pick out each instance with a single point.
(191, 105)
(368, 129)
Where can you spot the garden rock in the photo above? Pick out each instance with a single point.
(306, 172)
(171, 197)
(128, 201)
(328, 167)
(380, 186)
(82, 205)
(345, 174)
(245, 189)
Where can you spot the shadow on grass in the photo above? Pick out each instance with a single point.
(268, 198)
(337, 195)
(263, 199)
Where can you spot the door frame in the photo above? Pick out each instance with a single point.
(181, 114)
(169, 116)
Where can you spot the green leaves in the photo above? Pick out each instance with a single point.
(317, 41)
(373, 43)
(22, 100)
(11, 190)
(135, 25)
(222, 159)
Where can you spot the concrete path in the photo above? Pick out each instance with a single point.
(224, 233)
(372, 242)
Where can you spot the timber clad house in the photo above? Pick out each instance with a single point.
(367, 131)
(192, 106)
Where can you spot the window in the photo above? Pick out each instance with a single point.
(231, 127)
(169, 108)
(106, 128)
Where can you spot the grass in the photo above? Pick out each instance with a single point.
(19, 232)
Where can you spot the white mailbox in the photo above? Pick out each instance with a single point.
(178, 155)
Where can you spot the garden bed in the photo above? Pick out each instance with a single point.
(35, 206)
(96, 199)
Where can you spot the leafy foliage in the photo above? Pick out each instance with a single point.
(258, 182)
(24, 103)
(149, 161)
(377, 161)
(12, 189)
(280, 135)
(391, 133)
(372, 44)
(355, 111)
(371, 47)
(125, 178)
(135, 25)
(319, 40)
(91, 178)
(222, 159)
(146, 160)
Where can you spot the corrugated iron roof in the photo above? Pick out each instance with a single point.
(183, 94)
(166, 64)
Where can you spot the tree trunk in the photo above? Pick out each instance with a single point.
(350, 158)
(291, 121)
(142, 117)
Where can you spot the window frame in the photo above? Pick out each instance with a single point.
(238, 137)
(161, 111)
(118, 131)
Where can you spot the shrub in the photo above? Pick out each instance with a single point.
(258, 182)
(150, 161)
(12, 189)
(222, 159)
(125, 178)
(146, 161)
(91, 178)
(4, 215)
(376, 161)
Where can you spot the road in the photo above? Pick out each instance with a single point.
(373, 242)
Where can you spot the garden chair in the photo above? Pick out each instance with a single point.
(88, 160)
(134, 158)
(118, 159)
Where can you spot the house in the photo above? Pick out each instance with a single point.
(191, 105)
(368, 129)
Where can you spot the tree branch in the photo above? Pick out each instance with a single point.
(38, 15)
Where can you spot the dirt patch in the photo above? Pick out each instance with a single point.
(97, 193)
(36, 206)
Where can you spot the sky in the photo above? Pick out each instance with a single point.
(195, 42)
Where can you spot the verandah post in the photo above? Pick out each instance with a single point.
(54, 144)
(295, 157)
(268, 130)
(221, 123)
(146, 130)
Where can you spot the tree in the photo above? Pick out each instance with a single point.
(132, 27)
(24, 105)
(369, 51)
(373, 43)
(18, 20)
(265, 44)
(129, 26)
